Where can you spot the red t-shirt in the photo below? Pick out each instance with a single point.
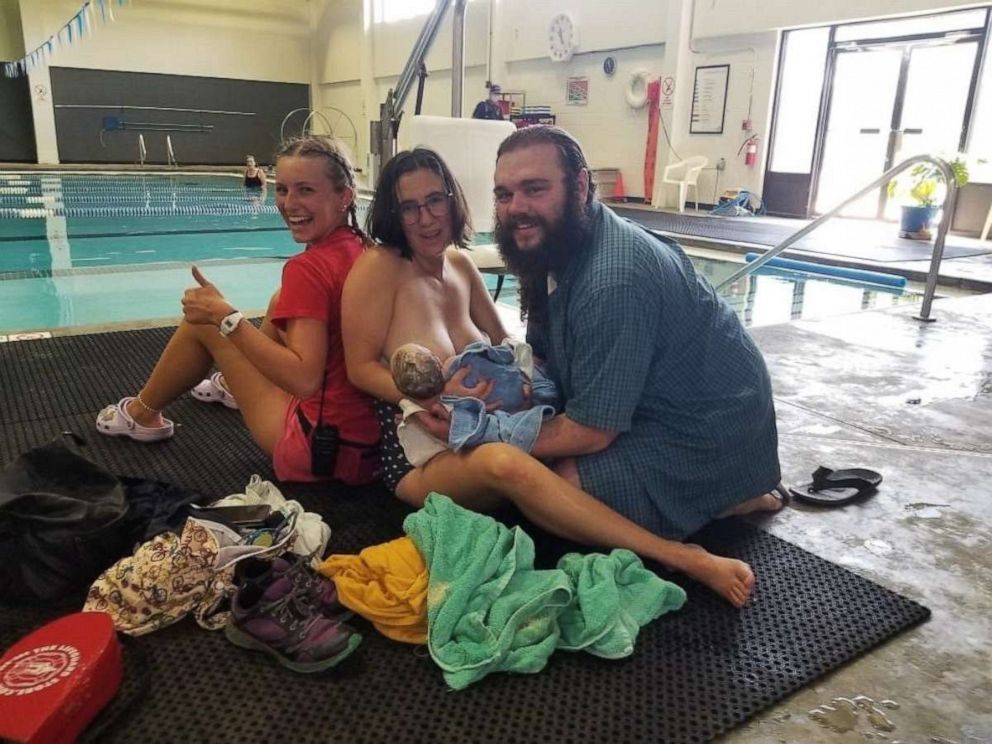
(311, 288)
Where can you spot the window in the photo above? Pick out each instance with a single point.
(388, 11)
(930, 24)
(804, 56)
(980, 144)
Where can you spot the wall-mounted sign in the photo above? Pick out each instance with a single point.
(577, 91)
(667, 91)
(709, 99)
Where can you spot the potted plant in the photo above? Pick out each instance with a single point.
(924, 189)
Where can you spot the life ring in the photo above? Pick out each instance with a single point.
(637, 98)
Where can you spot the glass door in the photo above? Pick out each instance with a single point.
(888, 102)
(856, 139)
(938, 81)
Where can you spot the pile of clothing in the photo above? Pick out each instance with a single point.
(466, 585)
(459, 582)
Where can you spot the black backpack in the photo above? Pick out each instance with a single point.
(63, 520)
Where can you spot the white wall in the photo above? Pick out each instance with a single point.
(241, 39)
(238, 39)
(601, 26)
(752, 64)
(612, 133)
(11, 38)
(650, 34)
(350, 66)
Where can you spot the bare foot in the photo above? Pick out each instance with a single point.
(730, 578)
(768, 502)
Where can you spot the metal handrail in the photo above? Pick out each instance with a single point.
(938, 246)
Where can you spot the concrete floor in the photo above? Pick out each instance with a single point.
(913, 401)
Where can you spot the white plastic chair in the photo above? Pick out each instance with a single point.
(685, 174)
(987, 226)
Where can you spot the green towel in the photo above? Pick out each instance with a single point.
(614, 596)
(489, 610)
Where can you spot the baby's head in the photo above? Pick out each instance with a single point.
(416, 371)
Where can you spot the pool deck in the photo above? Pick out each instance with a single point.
(913, 401)
(968, 273)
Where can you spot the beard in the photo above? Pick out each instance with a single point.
(564, 241)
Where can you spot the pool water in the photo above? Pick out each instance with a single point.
(81, 250)
(95, 249)
(770, 296)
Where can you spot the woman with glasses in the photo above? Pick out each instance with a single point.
(415, 286)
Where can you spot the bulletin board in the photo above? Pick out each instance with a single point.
(709, 99)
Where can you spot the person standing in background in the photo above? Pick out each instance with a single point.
(489, 108)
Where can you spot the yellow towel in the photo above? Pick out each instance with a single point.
(386, 584)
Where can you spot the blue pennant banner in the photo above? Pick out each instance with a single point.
(81, 24)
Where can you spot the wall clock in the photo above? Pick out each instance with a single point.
(563, 37)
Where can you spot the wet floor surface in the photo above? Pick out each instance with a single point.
(914, 402)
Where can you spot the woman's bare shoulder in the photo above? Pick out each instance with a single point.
(461, 260)
(379, 258)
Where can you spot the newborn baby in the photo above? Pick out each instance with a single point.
(420, 375)
(417, 371)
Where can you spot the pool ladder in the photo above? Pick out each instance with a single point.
(170, 154)
(938, 245)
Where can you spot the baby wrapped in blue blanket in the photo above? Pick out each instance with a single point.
(521, 396)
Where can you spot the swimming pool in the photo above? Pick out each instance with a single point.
(84, 250)
(770, 296)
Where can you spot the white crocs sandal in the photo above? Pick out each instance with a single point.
(212, 390)
(114, 421)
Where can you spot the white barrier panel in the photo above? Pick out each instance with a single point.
(469, 147)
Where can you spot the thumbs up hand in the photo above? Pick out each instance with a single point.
(204, 304)
(200, 278)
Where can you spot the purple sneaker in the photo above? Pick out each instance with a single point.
(317, 588)
(280, 620)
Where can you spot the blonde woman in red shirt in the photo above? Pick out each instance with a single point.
(288, 376)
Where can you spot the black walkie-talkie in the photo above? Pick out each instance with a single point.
(323, 449)
(324, 441)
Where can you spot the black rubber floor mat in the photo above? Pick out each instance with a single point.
(836, 239)
(695, 673)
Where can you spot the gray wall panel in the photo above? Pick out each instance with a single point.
(228, 139)
(16, 122)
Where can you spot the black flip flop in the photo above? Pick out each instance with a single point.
(837, 487)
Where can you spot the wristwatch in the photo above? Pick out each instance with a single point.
(230, 323)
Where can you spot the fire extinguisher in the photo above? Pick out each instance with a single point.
(750, 150)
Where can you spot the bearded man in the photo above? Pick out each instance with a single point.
(668, 415)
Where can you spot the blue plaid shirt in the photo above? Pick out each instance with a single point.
(641, 345)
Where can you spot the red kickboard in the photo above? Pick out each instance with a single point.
(54, 681)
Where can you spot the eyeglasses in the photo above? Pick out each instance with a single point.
(437, 205)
